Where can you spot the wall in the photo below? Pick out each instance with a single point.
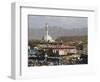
(5, 34)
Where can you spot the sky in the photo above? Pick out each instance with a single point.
(36, 21)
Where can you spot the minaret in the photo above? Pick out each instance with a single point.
(47, 37)
(46, 28)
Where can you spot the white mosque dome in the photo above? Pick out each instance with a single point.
(48, 38)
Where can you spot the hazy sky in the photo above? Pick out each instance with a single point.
(60, 21)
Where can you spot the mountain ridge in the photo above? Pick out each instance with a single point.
(55, 32)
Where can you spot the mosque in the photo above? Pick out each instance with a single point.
(47, 37)
(55, 46)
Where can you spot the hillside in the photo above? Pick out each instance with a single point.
(55, 32)
(73, 38)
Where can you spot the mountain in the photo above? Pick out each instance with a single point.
(55, 32)
(83, 38)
